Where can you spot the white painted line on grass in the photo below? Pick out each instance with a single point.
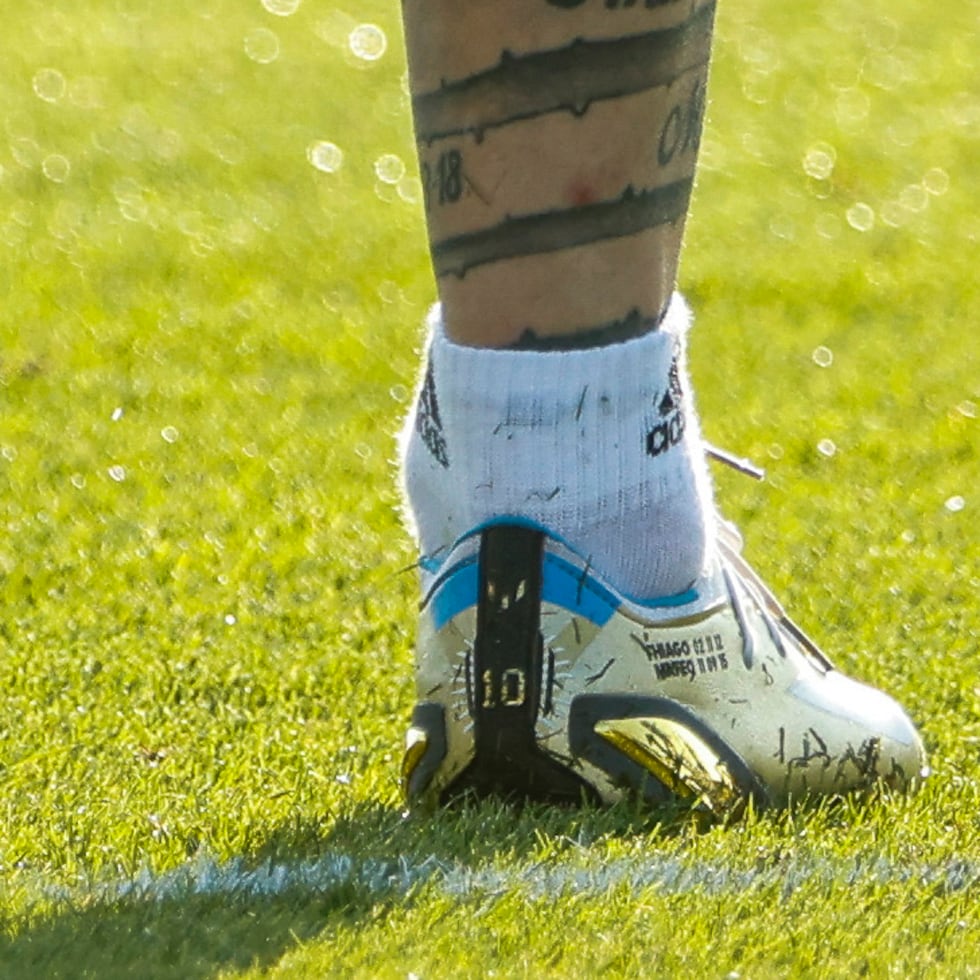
(375, 878)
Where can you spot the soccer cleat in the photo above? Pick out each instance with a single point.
(537, 679)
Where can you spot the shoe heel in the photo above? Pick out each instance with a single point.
(506, 686)
(655, 747)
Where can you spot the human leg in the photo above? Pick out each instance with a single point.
(557, 186)
(557, 142)
(586, 623)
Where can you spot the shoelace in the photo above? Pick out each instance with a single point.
(741, 580)
(738, 463)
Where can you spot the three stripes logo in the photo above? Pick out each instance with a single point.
(669, 431)
(428, 424)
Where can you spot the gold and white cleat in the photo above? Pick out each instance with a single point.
(537, 679)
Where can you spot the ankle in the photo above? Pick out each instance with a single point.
(601, 446)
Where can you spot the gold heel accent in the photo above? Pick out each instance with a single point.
(416, 742)
(676, 756)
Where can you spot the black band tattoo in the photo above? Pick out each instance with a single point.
(614, 4)
(553, 231)
(633, 325)
(565, 79)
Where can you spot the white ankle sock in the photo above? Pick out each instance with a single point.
(601, 446)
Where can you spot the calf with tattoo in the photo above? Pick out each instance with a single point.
(588, 626)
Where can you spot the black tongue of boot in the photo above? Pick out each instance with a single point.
(506, 678)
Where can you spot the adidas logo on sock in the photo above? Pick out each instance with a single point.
(669, 430)
(428, 424)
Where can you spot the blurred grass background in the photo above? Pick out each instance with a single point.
(213, 274)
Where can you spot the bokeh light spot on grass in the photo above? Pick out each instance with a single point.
(56, 168)
(936, 181)
(892, 214)
(49, 84)
(822, 356)
(861, 216)
(325, 156)
(389, 168)
(282, 8)
(368, 42)
(410, 189)
(261, 45)
(819, 161)
(914, 197)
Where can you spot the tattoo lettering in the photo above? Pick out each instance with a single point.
(555, 231)
(442, 183)
(682, 130)
(567, 79)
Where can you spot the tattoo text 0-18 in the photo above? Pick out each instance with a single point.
(443, 181)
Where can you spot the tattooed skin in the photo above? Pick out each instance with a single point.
(557, 150)
(633, 325)
(644, 140)
(613, 4)
(443, 179)
(550, 231)
(568, 79)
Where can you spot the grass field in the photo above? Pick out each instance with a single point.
(213, 271)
